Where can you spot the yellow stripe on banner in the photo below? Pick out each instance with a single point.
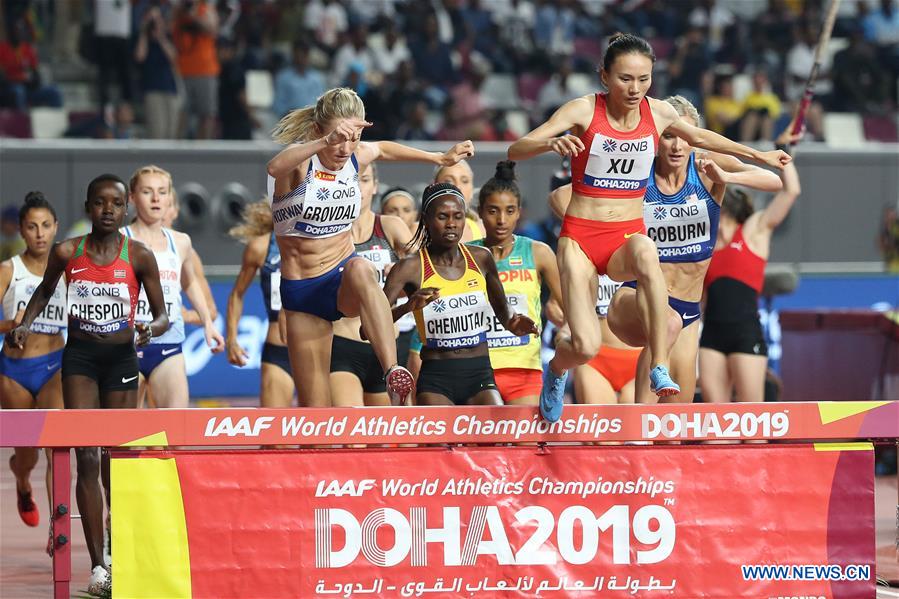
(156, 439)
(831, 411)
(150, 556)
(861, 446)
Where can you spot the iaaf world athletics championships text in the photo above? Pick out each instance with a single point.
(380, 426)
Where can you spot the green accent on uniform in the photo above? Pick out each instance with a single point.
(124, 254)
(521, 249)
(80, 249)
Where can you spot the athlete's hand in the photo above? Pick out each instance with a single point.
(567, 145)
(521, 325)
(16, 337)
(776, 158)
(346, 130)
(214, 339)
(456, 153)
(236, 354)
(713, 171)
(787, 138)
(422, 298)
(143, 333)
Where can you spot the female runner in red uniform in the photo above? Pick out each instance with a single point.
(733, 356)
(104, 272)
(614, 141)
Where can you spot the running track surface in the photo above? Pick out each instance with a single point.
(25, 568)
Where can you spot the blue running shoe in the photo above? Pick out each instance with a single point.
(661, 383)
(552, 395)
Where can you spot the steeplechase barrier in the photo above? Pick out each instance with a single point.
(479, 501)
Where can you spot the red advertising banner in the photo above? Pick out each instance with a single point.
(460, 424)
(758, 521)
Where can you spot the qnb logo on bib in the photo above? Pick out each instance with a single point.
(99, 307)
(380, 257)
(616, 164)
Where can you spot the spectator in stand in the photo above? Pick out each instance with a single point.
(775, 24)
(451, 129)
(554, 27)
(515, 22)
(413, 128)
(560, 89)
(196, 27)
(860, 82)
(112, 28)
(156, 55)
(353, 52)
(235, 114)
(328, 19)
(388, 50)
(882, 29)
(433, 64)
(722, 110)
(19, 71)
(761, 108)
(468, 102)
(712, 17)
(800, 60)
(689, 68)
(66, 33)
(297, 85)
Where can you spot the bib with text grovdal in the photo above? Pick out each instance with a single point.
(619, 165)
(99, 307)
(678, 230)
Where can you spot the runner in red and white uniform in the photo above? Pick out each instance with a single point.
(613, 141)
(104, 272)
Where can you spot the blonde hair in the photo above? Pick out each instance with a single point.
(257, 220)
(150, 169)
(684, 108)
(298, 125)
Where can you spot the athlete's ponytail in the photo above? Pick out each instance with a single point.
(35, 200)
(299, 125)
(502, 181)
(433, 191)
(685, 108)
(257, 220)
(737, 204)
(626, 43)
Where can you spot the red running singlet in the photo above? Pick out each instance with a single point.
(101, 299)
(615, 164)
(736, 261)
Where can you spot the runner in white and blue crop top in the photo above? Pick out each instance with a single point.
(315, 201)
(30, 376)
(680, 211)
(161, 361)
(261, 255)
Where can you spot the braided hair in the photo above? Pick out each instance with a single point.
(422, 238)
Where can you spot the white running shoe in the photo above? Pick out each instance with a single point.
(98, 581)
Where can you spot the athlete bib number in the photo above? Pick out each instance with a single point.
(456, 321)
(619, 165)
(99, 307)
(381, 259)
(678, 229)
(497, 336)
(605, 291)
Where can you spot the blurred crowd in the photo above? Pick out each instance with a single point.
(428, 69)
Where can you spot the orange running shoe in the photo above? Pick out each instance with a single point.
(28, 509)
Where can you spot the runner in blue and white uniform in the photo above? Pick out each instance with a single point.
(161, 361)
(30, 377)
(316, 199)
(261, 255)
